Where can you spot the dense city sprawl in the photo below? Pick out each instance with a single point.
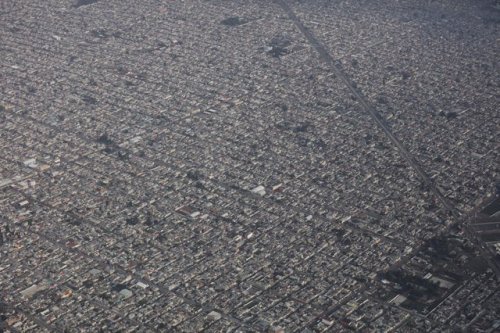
(249, 166)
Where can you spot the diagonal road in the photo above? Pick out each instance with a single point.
(382, 123)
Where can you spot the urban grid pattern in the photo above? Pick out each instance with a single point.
(249, 166)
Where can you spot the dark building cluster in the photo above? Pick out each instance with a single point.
(249, 166)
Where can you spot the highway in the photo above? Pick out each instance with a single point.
(383, 125)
